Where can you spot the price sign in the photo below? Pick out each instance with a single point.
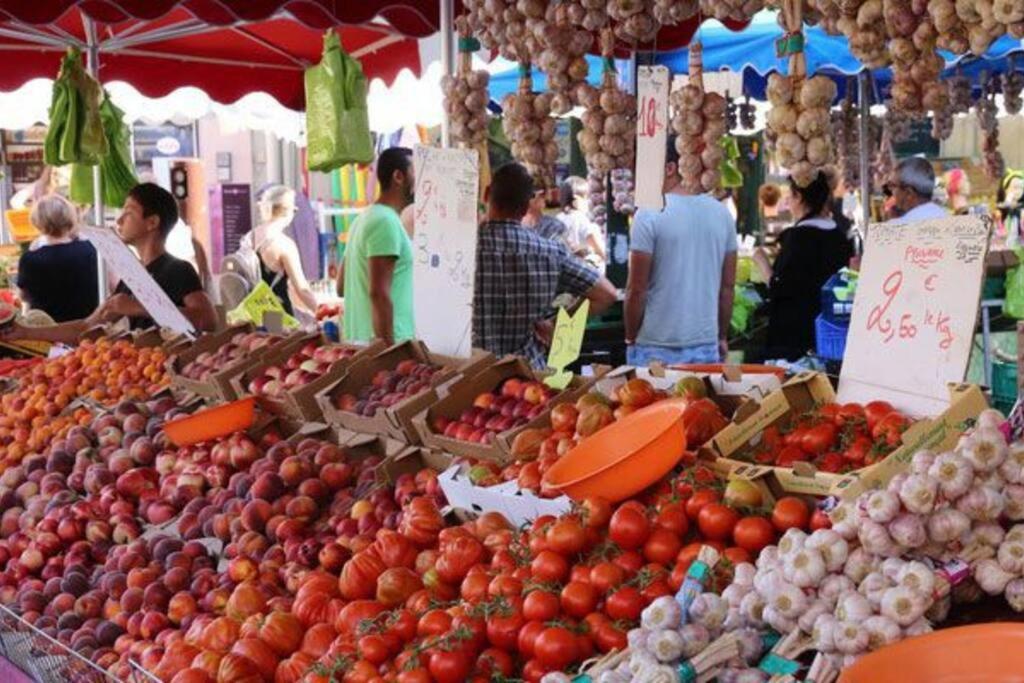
(651, 134)
(914, 314)
(147, 292)
(445, 218)
(566, 342)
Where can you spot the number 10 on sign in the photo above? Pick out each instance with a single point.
(651, 134)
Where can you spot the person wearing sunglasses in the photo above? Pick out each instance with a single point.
(911, 188)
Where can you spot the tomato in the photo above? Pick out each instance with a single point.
(819, 438)
(858, 450)
(753, 533)
(698, 500)
(527, 635)
(629, 527)
(655, 589)
(402, 623)
(716, 521)
(566, 537)
(505, 585)
(829, 411)
(474, 587)
(630, 561)
(556, 648)
(688, 554)
(533, 671)
(494, 661)
(820, 520)
(503, 631)
(624, 603)
(549, 566)
(672, 517)
(830, 462)
(875, 411)
(596, 512)
(736, 555)
(608, 637)
(584, 646)
(850, 413)
(578, 599)
(789, 455)
(475, 627)
(795, 436)
(417, 675)
(458, 556)
(790, 512)
(662, 546)
(373, 649)
(448, 667)
(436, 622)
(890, 428)
(702, 419)
(540, 605)
(580, 572)
(606, 575)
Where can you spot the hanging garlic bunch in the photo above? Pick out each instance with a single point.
(608, 137)
(502, 25)
(801, 124)
(731, 10)
(978, 17)
(1013, 86)
(673, 12)
(915, 64)
(531, 130)
(952, 33)
(863, 25)
(986, 111)
(899, 122)
(590, 15)
(831, 11)
(847, 140)
(942, 119)
(699, 121)
(465, 95)
(597, 196)
(634, 20)
(884, 163)
(622, 191)
(563, 55)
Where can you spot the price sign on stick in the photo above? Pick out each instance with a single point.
(566, 343)
(914, 313)
(651, 133)
(144, 288)
(444, 248)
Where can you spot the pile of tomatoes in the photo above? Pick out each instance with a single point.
(834, 437)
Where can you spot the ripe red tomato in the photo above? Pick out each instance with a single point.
(540, 605)
(625, 603)
(596, 512)
(790, 512)
(753, 533)
(820, 520)
(629, 527)
(556, 648)
(829, 411)
(631, 561)
(698, 500)
(716, 521)
(672, 516)
(434, 623)
(566, 537)
(448, 667)
(533, 671)
(831, 462)
(819, 438)
(606, 575)
(578, 599)
(662, 546)
(875, 411)
(850, 413)
(858, 450)
(736, 555)
(494, 661)
(549, 566)
(608, 637)
(580, 572)
(373, 649)
(890, 428)
(506, 585)
(527, 635)
(789, 455)
(503, 631)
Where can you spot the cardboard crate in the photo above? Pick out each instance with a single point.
(610, 382)
(461, 395)
(218, 386)
(300, 403)
(801, 394)
(410, 461)
(517, 505)
(395, 421)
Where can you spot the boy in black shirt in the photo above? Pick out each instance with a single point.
(148, 215)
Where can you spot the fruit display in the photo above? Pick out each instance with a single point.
(309, 362)
(388, 387)
(513, 404)
(238, 347)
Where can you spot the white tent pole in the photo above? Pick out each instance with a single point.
(93, 67)
(447, 58)
(864, 83)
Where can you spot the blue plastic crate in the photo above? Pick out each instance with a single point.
(837, 296)
(830, 338)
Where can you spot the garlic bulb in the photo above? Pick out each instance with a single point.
(823, 633)
(734, 10)
(908, 530)
(982, 503)
(788, 600)
(634, 20)
(991, 577)
(709, 610)
(882, 506)
(918, 493)
(752, 608)
(804, 568)
(811, 614)
(672, 12)
(984, 449)
(662, 613)
(844, 520)
(465, 100)
(881, 631)
(953, 473)
(531, 131)
(1012, 468)
(1011, 557)
(917, 577)
(947, 525)
(833, 586)
(563, 45)
(1015, 594)
(833, 548)
(850, 637)
(799, 123)
(699, 123)
(903, 605)
(666, 645)
(853, 607)
(695, 639)
(986, 112)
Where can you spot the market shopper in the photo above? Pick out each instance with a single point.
(911, 188)
(544, 225)
(682, 273)
(60, 275)
(147, 218)
(376, 275)
(583, 236)
(814, 248)
(519, 274)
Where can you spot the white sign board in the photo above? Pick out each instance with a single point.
(651, 134)
(444, 263)
(914, 313)
(121, 261)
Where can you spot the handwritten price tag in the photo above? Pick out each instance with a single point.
(566, 343)
(914, 312)
(651, 134)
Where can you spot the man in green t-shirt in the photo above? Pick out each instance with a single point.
(376, 276)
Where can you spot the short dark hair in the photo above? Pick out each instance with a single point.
(390, 160)
(816, 196)
(671, 152)
(512, 189)
(156, 201)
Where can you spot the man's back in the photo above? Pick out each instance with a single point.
(688, 241)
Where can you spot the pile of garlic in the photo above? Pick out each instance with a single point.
(987, 112)
(1004, 573)
(800, 124)
(915, 64)
(634, 20)
(608, 137)
(531, 132)
(699, 122)
(562, 54)
(845, 124)
(731, 10)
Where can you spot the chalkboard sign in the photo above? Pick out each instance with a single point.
(236, 214)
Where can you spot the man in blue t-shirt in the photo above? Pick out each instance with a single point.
(682, 272)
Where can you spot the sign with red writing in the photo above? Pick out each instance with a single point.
(651, 133)
(915, 311)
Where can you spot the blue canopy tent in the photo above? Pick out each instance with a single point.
(505, 82)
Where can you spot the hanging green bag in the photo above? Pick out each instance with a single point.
(337, 122)
(76, 133)
(117, 172)
(729, 166)
(1013, 305)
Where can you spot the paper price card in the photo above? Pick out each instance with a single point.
(144, 288)
(914, 313)
(566, 342)
(651, 134)
(444, 263)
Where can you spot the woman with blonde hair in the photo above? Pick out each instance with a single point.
(280, 263)
(59, 276)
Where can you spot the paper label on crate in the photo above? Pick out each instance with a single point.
(913, 318)
(955, 571)
(566, 343)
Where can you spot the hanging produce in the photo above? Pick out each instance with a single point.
(499, 25)
(987, 113)
(465, 94)
(942, 119)
(845, 123)
(884, 163)
(916, 65)
(531, 130)
(597, 197)
(592, 15)
(673, 12)
(634, 20)
(117, 171)
(731, 10)
(699, 122)
(563, 56)
(75, 134)
(862, 23)
(900, 124)
(1013, 86)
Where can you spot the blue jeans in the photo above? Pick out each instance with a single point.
(640, 355)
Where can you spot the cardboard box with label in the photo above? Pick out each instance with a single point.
(518, 506)
(396, 420)
(462, 394)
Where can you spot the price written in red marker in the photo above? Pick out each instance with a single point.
(648, 123)
(891, 323)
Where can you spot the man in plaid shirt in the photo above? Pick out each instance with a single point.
(519, 274)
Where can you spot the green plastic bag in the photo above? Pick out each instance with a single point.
(729, 166)
(337, 122)
(1013, 305)
(743, 307)
(76, 133)
(117, 172)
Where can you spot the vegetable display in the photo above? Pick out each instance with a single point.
(466, 97)
(699, 121)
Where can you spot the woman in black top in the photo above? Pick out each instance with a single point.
(60, 275)
(280, 263)
(810, 252)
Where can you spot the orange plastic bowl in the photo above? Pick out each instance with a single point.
(625, 457)
(984, 653)
(212, 423)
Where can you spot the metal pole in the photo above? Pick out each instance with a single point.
(864, 81)
(447, 58)
(93, 67)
